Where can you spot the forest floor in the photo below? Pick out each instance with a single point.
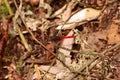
(59, 40)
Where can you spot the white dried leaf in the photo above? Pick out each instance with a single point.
(78, 39)
(45, 25)
(47, 76)
(46, 6)
(33, 24)
(67, 43)
(58, 12)
(28, 13)
(85, 14)
(54, 70)
(66, 14)
(62, 74)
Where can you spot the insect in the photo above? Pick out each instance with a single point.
(60, 38)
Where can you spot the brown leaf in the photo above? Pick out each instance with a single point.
(34, 2)
(47, 58)
(68, 11)
(3, 36)
(49, 46)
(16, 76)
(113, 35)
(94, 38)
(13, 72)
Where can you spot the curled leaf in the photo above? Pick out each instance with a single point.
(85, 14)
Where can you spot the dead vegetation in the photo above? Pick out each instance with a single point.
(59, 39)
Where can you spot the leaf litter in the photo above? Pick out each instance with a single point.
(63, 39)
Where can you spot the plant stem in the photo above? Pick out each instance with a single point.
(8, 7)
(23, 39)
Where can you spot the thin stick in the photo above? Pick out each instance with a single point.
(8, 6)
(84, 67)
(34, 38)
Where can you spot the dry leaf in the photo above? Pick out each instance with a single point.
(34, 2)
(58, 67)
(61, 75)
(54, 70)
(94, 40)
(49, 46)
(47, 7)
(32, 23)
(67, 43)
(47, 58)
(4, 36)
(85, 14)
(113, 35)
(37, 72)
(68, 11)
(58, 12)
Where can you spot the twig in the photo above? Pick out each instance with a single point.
(17, 27)
(48, 69)
(8, 6)
(23, 39)
(103, 69)
(34, 38)
(82, 52)
(14, 21)
(84, 67)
